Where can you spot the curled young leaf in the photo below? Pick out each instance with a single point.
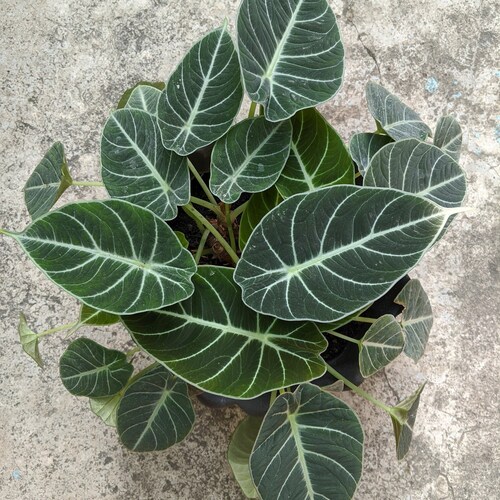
(364, 146)
(29, 340)
(448, 136)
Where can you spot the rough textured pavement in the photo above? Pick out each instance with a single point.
(63, 65)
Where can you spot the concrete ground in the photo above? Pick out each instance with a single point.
(63, 65)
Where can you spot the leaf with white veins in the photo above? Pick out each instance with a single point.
(448, 136)
(364, 146)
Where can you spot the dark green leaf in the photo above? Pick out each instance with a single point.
(29, 340)
(94, 317)
(145, 98)
(291, 54)
(318, 157)
(364, 146)
(250, 157)
(448, 136)
(216, 343)
(126, 96)
(203, 95)
(310, 446)
(112, 255)
(155, 412)
(48, 182)
(89, 369)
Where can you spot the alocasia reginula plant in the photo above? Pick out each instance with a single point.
(295, 235)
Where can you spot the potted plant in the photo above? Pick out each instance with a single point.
(261, 263)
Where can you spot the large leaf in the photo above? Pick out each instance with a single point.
(364, 146)
(213, 341)
(89, 369)
(136, 167)
(420, 168)
(448, 136)
(48, 182)
(381, 344)
(291, 54)
(144, 98)
(106, 408)
(203, 95)
(111, 255)
(310, 446)
(323, 255)
(318, 157)
(259, 205)
(416, 318)
(239, 451)
(403, 420)
(250, 157)
(29, 340)
(94, 317)
(155, 412)
(395, 117)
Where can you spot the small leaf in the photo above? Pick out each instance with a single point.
(318, 157)
(208, 346)
(396, 118)
(89, 369)
(239, 452)
(182, 238)
(403, 421)
(126, 96)
(145, 98)
(381, 344)
(259, 205)
(155, 412)
(203, 95)
(364, 146)
(249, 158)
(94, 317)
(48, 182)
(291, 54)
(416, 318)
(29, 340)
(105, 408)
(310, 446)
(137, 168)
(448, 136)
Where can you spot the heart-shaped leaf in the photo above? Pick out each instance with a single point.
(145, 98)
(318, 157)
(381, 344)
(291, 54)
(29, 340)
(259, 205)
(155, 412)
(94, 317)
(137, 168)
(364, 146)
(48, 182)
(448, 136)
(310, 446)
(403, 420)
(112, 255)
(323, 255)
(416, 318)
(226, 348)
(126, 96)
(249, 158)
(89, 369)
(203, 95)
(395, 117)
(105, 408)
(239, 451)
(420, 168)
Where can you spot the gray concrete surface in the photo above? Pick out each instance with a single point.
(63, 65)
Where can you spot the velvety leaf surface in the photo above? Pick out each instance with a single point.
(203, 95)
(323, 255)
(94, 317)
(89, 369)
(364, 146)
(213, 341)
(137, 168)
(416, 318)
(112, 255)
(249, 158)
(318, 157)
(29, 340)
(155, 412)
(395, 117)
(291, 54)
(310, 446)
(144, 98)
(48, 182)
(448, 136)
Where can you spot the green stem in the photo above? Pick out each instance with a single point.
(198, 224)
(229, 224)
(358, 174)
(253, 109)
(201, 246)
(7, 233)
(59, 329)
(344, 337)
(272, 399)
(194, 214)
(362, 319)
(132, 351)
(238, 211)
(87, 183)
(358, 390)
(207, 204)
(201, 182)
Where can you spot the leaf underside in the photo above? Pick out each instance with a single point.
(448, 136)
(363, 146)
(94, 317)
(105, 408)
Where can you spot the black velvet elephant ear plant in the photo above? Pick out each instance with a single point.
(261, 263)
